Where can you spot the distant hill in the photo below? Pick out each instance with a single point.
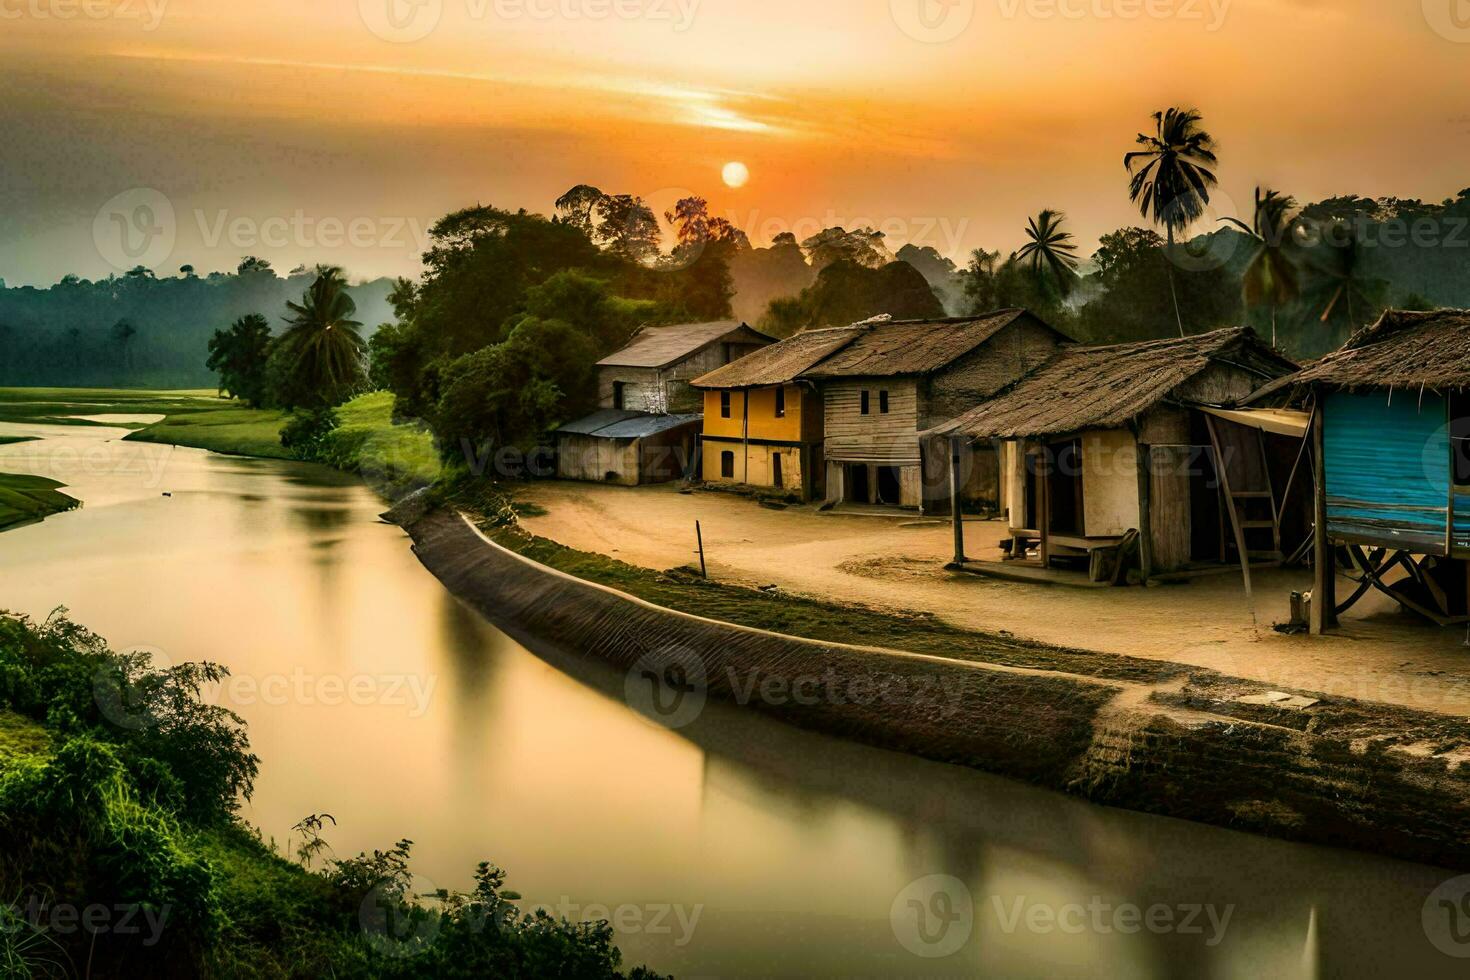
(70, 335)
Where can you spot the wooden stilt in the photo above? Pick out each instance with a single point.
(956, 510)
(1324, 587)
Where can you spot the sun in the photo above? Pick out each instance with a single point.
(736, 174)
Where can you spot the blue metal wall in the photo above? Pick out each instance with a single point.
(1388, 469)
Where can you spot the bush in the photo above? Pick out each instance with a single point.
(308, 430)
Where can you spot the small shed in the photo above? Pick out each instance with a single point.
(1108, 445)
(627, 448)
(652, 373)
(1391, 422)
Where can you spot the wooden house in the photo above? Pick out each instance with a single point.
(1107, 444)
(1391, 430)
(627, 448)
(763, 421)
(653, 372)
(895, 379)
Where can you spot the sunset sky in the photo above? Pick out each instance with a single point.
(284, 129)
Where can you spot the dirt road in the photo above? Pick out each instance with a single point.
(897, 562)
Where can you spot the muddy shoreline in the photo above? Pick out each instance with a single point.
(1321, 778)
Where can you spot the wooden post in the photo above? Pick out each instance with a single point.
(956, 511)
(1222, 467)
(1324, 587)
(1043, 504)
(1145, 509)
(699, 537)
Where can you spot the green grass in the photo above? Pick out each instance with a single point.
(392, 458)
(225, 427)
(12, 440)
(684, 590)
(21, 738)
(26, 499)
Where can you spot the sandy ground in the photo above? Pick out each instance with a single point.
(898, 562)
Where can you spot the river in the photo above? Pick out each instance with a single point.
(733, 847)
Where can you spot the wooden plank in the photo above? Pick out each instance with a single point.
(1240, 545)
(1043, 505)
(1324, 586)
(1144, 456)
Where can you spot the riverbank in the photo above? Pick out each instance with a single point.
(392, 459)
(27, 499)
(1178, 741)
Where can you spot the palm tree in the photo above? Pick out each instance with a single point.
(1172, 180)
(1339, 282)
(123, 332)
(1050, 250)
(325, 351)
(1271, 277)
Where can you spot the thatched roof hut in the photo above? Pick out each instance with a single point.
(1085, 388)
(1402, 350)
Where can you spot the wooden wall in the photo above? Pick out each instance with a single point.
(891, 439)
(1015, 351)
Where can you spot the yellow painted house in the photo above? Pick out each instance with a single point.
(762, 424)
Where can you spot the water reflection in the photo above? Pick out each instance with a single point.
(790, 850)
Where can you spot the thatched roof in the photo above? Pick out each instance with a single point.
(781, 363)
(1085, 388)
(661, 347)
(906, 347)
(1401, 350)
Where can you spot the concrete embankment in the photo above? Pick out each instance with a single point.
(1175, 748)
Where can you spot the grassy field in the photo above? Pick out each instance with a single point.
(390, 457)
(27, 499)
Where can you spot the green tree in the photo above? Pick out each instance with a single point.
(627, 228)
(578, 207)
(322, 356)
(1270, 279)
(239, 355)
(1170, 178)
(123, 334)
(1050, 254)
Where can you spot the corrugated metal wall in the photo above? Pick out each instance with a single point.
(1388, 469)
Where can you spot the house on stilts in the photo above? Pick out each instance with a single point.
(1391, 434)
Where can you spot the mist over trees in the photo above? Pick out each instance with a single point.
(140, 330)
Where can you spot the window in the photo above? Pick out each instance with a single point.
(618, 394)
(1460, 439)
(883, 403)
(727, 465)
(724, 404)
(866, 406)
(776, 470)
(780, 403)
